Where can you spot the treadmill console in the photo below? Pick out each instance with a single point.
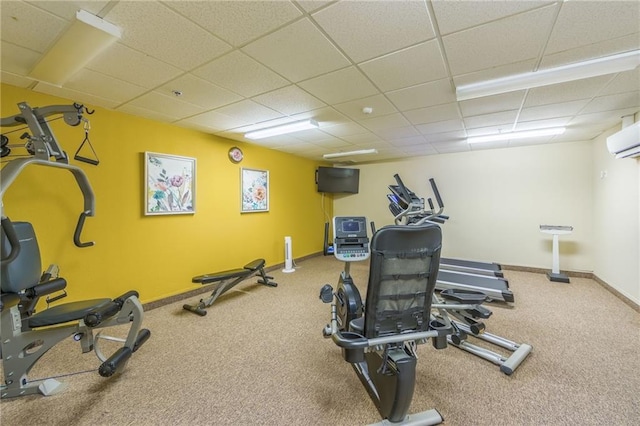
(351, 243)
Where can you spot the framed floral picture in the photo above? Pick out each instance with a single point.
(170, 184)
(254, 190)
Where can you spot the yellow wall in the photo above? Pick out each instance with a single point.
(158, 255)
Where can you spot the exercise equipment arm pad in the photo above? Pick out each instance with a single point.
(93, 319)
(48, 287)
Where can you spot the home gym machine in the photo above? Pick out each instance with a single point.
(379, 339)
(226, 280)
(457, 274)
(26, 335)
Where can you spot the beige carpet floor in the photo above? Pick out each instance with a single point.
(259, 357)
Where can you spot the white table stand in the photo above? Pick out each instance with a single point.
(554, 230)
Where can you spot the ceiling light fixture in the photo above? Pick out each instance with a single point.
(580, 70)
(349, 153)
(87, 37)
(283, 129)
(517, 135)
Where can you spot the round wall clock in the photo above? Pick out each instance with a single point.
(235, 154)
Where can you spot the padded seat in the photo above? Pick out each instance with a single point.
(231, 273)
(67, 312)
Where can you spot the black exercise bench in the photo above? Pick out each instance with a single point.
(226, 280)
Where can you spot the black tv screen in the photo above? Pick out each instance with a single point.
(338, 180)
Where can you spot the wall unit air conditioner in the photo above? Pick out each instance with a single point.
(625, 143)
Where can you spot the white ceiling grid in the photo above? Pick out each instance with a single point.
(244, 65)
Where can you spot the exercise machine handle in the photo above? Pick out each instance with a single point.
(14, 241)
(78, 231)
(434, 187)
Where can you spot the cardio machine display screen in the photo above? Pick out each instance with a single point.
(351, 226)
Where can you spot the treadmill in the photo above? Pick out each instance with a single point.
(457, 274)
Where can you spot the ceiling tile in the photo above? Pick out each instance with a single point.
(544, 112)
(17, 59)
(167, 105)
(200, 92)
(584, 23)
(432, 114)
(495, 72)
(363, 138)
(334, 143)
(423, 95)
(15, 80)
(214, 120)
(505, 119)
(313, 135)
(407, 67)
(28, 26)
(298, 51)
(104, 86)
(623, 82)
(592, 51)
(415, 150)
(447, 136)
(490, 104)
(339, 86)
(451, 146)
(613, 102)
(240, 74)
(344, 129)
(411, 140)
(475, 49)
(378, 103)
(145, 113)
(397, 132)
(602, 120)
(80, 97)
(67, 9)
(365, 30)
(181, 42)
(565, 92)
(135, 67)
(447, 126)
(249, 111)
(289, 100)
(391, 121)
(457, 15)
(238, 22)
(311, 5)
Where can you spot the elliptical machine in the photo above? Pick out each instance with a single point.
(379, 339)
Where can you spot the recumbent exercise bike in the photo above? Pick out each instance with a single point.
(379, 339)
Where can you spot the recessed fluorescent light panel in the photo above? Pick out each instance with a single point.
(517, 135)
(592, 68)
(282, 130)
(87, 37)
(349, 153)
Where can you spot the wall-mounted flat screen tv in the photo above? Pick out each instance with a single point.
(338, 180)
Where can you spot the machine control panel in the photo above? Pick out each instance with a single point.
(351, 243)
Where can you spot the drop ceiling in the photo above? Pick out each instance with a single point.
(246, 65)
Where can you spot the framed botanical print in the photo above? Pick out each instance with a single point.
(254, 190)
